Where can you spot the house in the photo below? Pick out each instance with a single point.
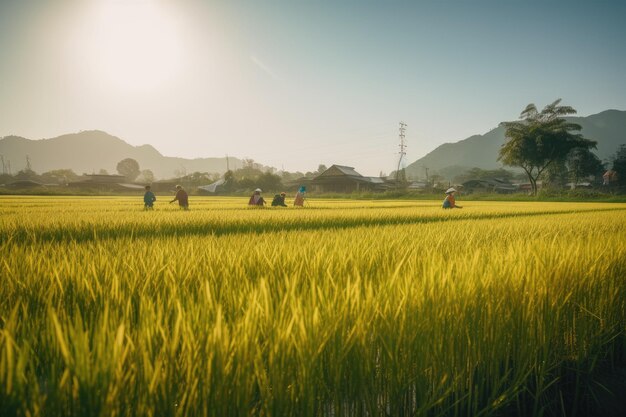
(417, 185)
(344, 179)
(527, 187)
(25, 184)
(104, 182)
(609, 177)
(491, 185)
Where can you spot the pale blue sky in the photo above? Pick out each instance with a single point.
(297, 83)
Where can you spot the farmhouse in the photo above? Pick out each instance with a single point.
(344, 179)
(489, 185)
(609, 177)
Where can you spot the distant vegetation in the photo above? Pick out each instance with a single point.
(543, 139)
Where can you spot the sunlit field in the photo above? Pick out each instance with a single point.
(340, 308)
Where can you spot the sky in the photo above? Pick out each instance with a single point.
(294, 84)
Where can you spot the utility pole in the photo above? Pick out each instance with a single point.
(28, 166)
(4, 170)
(402, 149)
(426, 169)
(9, 166)
(227, 164)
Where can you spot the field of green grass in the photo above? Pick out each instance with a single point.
(340, 308)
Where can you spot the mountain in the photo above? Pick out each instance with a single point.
(608, 128)
(90, 151)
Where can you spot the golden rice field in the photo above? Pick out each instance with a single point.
(342, 308)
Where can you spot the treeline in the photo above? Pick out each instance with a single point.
(244, 179)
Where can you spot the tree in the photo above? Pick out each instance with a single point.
(582, 163)
(619, 164)
(26, 174)
(321, 168)
(436, 180)
(147, 176)
(61, 176)
(556, 175)
(269, 182)
(129, 168)
(230, 181)
(540, 139)
(103, 171)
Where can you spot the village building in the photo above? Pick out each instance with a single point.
(344, 179)
(104, 183)
(609, 177)
(490, 185)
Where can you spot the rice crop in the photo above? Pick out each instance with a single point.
(341, 308)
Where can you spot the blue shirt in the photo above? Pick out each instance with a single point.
(149, 198)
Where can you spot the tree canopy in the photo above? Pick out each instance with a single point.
(619, 164)
(129, 168)
(540, 139)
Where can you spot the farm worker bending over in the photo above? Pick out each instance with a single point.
(148, 199)
(182, 197)
(256, 199)
(279, 200)
(449, 202)
(299, 200)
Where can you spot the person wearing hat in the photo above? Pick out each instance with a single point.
(449, 202)
(299, 200)
(182, 197)
(256, 199)
(279, 200)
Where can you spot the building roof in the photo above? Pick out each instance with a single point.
(347, 170)
(132, 186)
(339, 171)
(25, 183)
(104, 176)
(375, 180)
(495, 183)
(101, 179)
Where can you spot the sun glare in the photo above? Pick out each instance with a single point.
(133, 45)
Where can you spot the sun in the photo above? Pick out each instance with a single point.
(133, 44)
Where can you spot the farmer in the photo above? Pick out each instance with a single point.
(148, 199)
(256, 199)
(279, 200)
(449, 202)
(182, 197)
(299, 200)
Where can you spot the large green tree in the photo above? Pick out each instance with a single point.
(541, 138)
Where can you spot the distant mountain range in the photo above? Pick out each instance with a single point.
(608, 128)
(90, 151)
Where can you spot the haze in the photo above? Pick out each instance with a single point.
(296, 84)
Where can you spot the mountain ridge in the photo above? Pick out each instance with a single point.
(92, 150)
(449, 159)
